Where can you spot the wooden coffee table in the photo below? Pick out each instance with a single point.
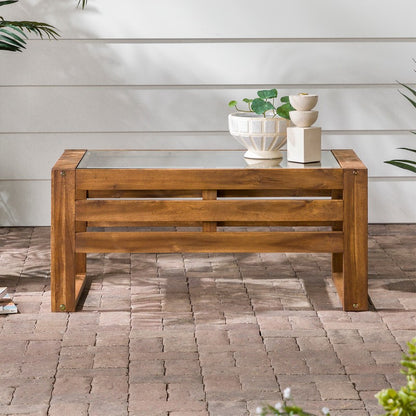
(208, 190)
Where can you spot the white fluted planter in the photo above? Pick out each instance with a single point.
(261, 136)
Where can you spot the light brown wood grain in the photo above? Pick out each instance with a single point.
(348, 159)
(337, 258)
(63, 258)
(208, 199)
(187, 179)
(355, 257)
(248, 224)
(221, 193)
(197, 242)
(209, 210)
(209, 224)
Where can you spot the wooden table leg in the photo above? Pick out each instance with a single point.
(63, 258)
(63, 241)
(355, 257)
(337, 258)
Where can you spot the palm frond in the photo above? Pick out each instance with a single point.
(401, 164)
(405, 163)
(13, 36)
(38, 28)
(11, 41)
(409, 88)
(3, 3)
(82, 3)
(413, 102)
(12, 33)
(407, 148)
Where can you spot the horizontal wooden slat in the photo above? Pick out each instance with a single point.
(147, 224)
(216, 210)
(142, 179)
(227, 193)
(198, 242)
(27, 203)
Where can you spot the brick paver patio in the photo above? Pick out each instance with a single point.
(198, 335)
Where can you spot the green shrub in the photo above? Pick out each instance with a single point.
(406, 163)
(402, 402)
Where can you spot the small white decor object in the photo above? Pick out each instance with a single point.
(303, 118)
(303, 102)
(303, 141)
(263, 163)
(261, 136)
(304, 144)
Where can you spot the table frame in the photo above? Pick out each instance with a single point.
(83, 198)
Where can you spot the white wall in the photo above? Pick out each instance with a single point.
(159, 74)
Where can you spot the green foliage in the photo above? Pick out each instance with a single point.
(395, 403)
(405, 163)
(82, 3)
(286, 409)
(402, 402)
(12, 33)
(264, 104)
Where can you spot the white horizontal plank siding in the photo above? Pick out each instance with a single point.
(130, 108)
(23, 146)
(209, 64)
(159, 75)
(392, 200)
(25, 203)
(192, 19)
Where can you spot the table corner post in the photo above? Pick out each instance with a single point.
(355, 257)
(63, 192)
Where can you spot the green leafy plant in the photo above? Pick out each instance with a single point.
(402, 402)
(12, 33)
(264, 104)
(286, 409)
(406, 163)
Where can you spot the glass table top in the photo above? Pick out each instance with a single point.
(191, 159)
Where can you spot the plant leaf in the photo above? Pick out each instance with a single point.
(11, 41)
(409, 88)
(38, 28)
(266, 94)
(407, 148)
(409, 99)
(3, 3)
(401, 165)
(413, 162)
(232, 103)
(285, 99)
(283, 110)
(4, 46)
(260, 106)
(247, 100)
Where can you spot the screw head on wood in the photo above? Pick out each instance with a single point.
(355, 172)
(63, 173)
(355, 305)
(62, 307)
